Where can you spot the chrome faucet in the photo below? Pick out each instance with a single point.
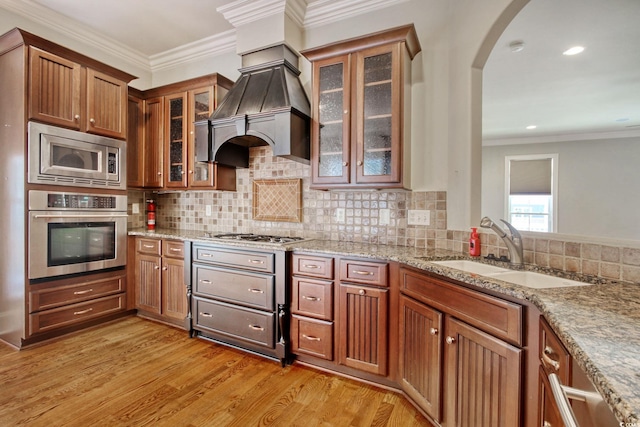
(514, 243)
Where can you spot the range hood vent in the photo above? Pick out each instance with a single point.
(266, 106)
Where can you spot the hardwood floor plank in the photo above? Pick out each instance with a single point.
(135, 372)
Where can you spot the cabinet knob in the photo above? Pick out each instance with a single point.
(191, 172)
(92, 120)
(164, 268)
(345, 164)
(155, 267)
(362, 292)
(159, 173)
(450, 340)
(77, 117)
(546, 424)
(359, 163)
(433, 331)
(346, 111)
(182, 172)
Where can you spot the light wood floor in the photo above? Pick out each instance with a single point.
(134, 372)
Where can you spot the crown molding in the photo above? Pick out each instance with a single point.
(321, 12)
(242, 12)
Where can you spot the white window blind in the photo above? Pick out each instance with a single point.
(528, 177)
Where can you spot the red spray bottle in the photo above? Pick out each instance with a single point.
(474, 243)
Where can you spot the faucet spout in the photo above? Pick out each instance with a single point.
(513, 242)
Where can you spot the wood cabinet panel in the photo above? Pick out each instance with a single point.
(153, 142)
(312, 297)
(47, 298)
(312, 337)
(135, 135)
(106, 105)
(174, 290)
(148, 280)
(149, 246)
(173, 249)
(313, 266)
(368, 273)
(554, 357)
(484, 377)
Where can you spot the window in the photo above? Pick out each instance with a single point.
(531, 183)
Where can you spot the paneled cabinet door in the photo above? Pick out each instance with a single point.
(201, 105)
(420, 358)
(331, 129)
(484, 377)
(135, 135)
(106, 105)
(148, 283)
(176, 140)
(54, 89)
(153, 138)
(549, 415)
(363, 328)
(174, 290)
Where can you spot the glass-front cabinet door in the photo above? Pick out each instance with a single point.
(176, 140)
(378, 116)
(330, 150)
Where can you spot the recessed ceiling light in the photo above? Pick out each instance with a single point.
(531, 127)
(623, 119)
(573, 51)
(516, 46)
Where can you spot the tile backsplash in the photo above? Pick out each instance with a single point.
(232, 212)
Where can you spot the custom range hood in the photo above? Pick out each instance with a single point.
(266, 106)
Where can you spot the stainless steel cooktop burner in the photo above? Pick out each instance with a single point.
(249, 237)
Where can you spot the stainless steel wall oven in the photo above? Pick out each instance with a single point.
(75, 232)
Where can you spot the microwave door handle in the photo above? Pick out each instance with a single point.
(80, 216)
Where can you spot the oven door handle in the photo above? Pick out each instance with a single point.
(80, 216)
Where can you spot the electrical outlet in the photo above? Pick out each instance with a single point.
(135, 208)
(419, 217)
(207, 210)
(385, 217)
(340, 214)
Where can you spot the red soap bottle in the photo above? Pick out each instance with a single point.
(474, 243)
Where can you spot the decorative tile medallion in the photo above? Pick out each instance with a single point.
(277, 200)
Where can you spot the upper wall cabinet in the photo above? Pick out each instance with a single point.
(361, 111)
(65, 93)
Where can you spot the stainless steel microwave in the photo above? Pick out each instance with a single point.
(61, 156)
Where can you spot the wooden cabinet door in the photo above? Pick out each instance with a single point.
(378, 113)
(54, 89)
(420, 358)
(153, 142)
(363, 328)
(175, 138)
(549, 414)
(135, 142)
(484, 378)
(330, 129)
(148, 280)
(106, 105)
(174, 290)
(200, 106)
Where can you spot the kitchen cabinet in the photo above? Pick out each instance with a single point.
(361, 111)
(171, 139)
(135, 135)
(554, 358)
(363, 316)
(461, 357)
(65, 93)
(161, 292)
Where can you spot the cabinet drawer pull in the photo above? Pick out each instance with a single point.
(205, 281)
(256, 327)
(310, 338)
(256, 291)
(86, 291)
(77, 313)
(206, 314)
(548, 361)
(310, 266)
(256, 261)
(450, 340)
(363, 273)
(148, 246)
(433, 331)
(206, 255)
(311, 298)
(175, 250)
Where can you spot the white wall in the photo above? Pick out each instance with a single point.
(597, 185)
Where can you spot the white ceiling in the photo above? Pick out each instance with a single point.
(584, 94)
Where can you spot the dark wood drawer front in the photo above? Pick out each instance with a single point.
(312, 298)
(173, 249)
(246, 288)
(313, 337)
(237, 322)
(249, 260)
(493, 315)
(44, 299)
(313, 266)
(50, 319)
(149, 246)
(553, 355)
(370, 273)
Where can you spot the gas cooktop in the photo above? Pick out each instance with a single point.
(250, 237)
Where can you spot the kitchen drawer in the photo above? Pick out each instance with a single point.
(63, 316)
(43, 299)
(496, 316)
(238, 322)
(313, 266)
(312, 297)
(311, 336)
(370, 273)
(250, 260)
(242, 287)
(173, 249)
(148, 246)
(553, 355)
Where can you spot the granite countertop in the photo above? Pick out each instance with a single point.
(598, 324)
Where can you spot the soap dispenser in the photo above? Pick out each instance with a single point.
(474, 242)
